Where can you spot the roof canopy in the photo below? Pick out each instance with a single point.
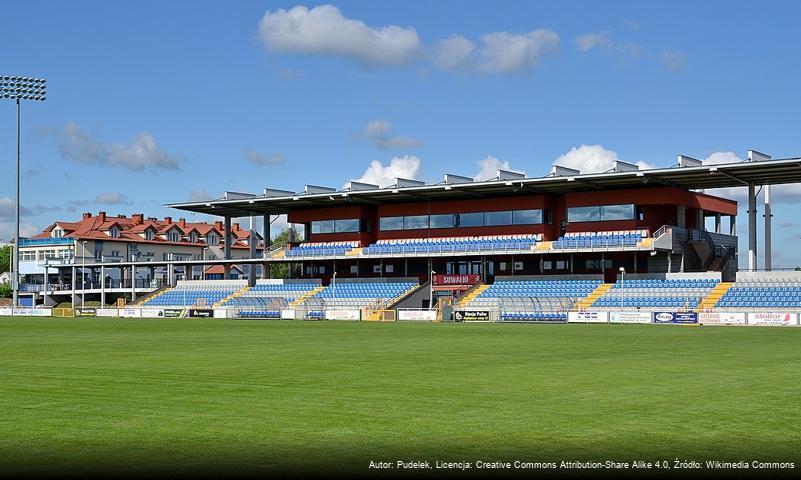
(560, 181)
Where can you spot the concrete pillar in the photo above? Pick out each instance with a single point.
(253, 242)
(669, 262)
(681, 265)
(717, 223)
(636, 257)
(133, 283)
(102, 286)
(768, 232)
(74, 282)
(733, 225)
(681, 216)
(700, 220)
(571, 263)
(268, 245)
(227, 246)
(752, 226)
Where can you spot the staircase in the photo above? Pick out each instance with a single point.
(712, 299)
(587, 301)
(306, 296)
(471, 294)
(231, 297)
(391, 303)
(151, 295)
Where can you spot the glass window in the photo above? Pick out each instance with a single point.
(471, 219)
(346, 225)
(415, 222)
(583, 214)
(391, 223)
(526, 217)
(617, 212)
(447, 220)
(498, 218)
(322, 226)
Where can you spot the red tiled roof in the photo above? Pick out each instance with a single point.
(131, 229)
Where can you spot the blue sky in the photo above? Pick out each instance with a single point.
(156, 102)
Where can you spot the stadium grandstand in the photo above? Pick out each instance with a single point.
(512, 248)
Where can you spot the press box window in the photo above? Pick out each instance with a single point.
(584, 214)
(470, 219)
(447, 220)
(391, 223)
(617, 212)
(497, 218)
(415, 222)
(527, 217)
(322, 226)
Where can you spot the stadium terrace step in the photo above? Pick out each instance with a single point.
(231, 297)
(470, 295)
(355, 252)
(587, 301)
(150, 296)
(392, 302)
(712, 299)
(306, 296)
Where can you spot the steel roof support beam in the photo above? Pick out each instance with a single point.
(752, 225)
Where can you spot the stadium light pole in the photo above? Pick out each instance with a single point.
(622, 285)
(20, 88)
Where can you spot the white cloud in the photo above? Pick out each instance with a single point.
(143, 152)
(258, 158)
(489, 166)
(407, 166)
(673, 60)
(323, 30)
(593, 159)
(453, 53)
(378, 132)
(588, 41)
(25, 230)
(500, 52)
(7, 209)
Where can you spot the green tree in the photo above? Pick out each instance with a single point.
(5, 290)
(5, 258)
(280, 270)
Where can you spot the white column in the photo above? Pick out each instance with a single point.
(717, 223)
(752, 226)
(102, 286)
(74, 281)
(768, 233)
(227, 246)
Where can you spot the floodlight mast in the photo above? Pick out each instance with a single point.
(20, 88)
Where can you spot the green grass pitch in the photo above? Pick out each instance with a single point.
(191, 395)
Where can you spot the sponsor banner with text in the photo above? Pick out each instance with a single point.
(721, 318)
(418, 315)
(201, 313)
(152, 312)
(107, 312)
(6, 311)
(130, 313)
(288, 314)
(173, 312)
(86, 312)
(471, 316)
(588, 317)
(630, 317)
(676, 317)
(778, 319)
(343, 315)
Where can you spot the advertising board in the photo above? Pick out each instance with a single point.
(343, 315)
(417, 315)
(630, 317)
(774, 319)
(721, 318)
(588, 317)
(675, 317)
(471, 315)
